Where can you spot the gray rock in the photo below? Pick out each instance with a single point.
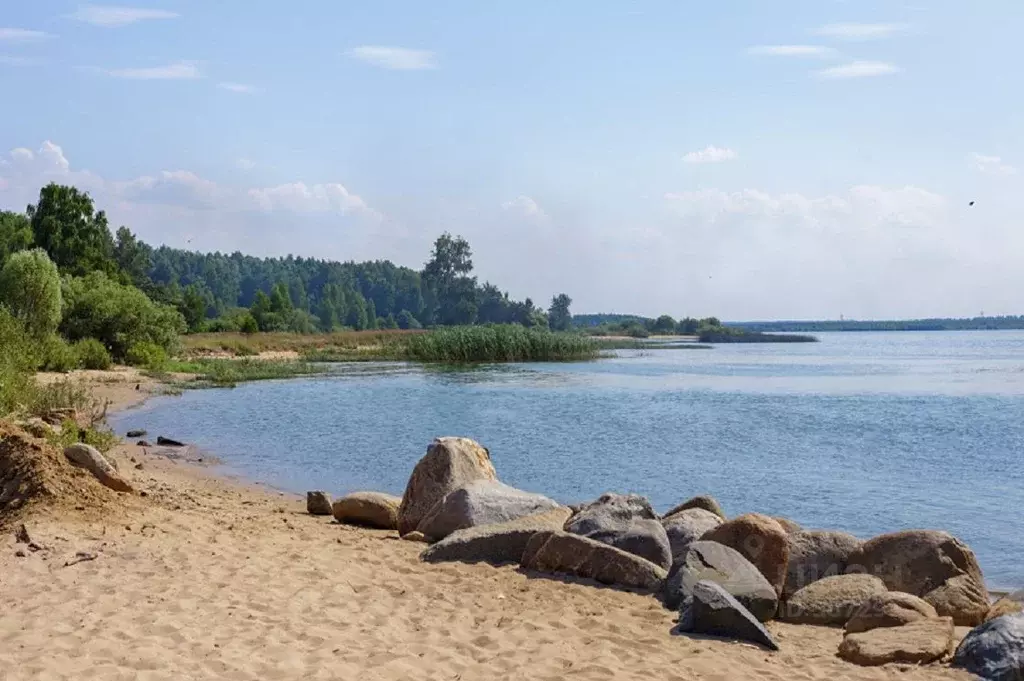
(713, 562)
(495, 544)
(994, 650)
(481, 502)
(627, 522)
(831, 601)
(88, 457)
(705, 501)
(168, 442)
(368, 509)
(450, 463)
(318, 503)
(566, 553)
(136, 433)
(687, 526)
(816, 554)
(712, 610)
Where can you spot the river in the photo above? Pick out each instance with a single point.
(863, 432)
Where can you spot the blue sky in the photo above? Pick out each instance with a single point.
(750, 159)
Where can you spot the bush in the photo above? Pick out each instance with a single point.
(499, 343)
(30, 288)
(18, 359)
(91, 354)
(118, 315)
(57, 355)
(147, 355)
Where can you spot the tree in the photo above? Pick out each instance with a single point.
(193, 307)
(688, 326)
(371, 315)
(133, 257)
(15, 234)
(559, 317)
(663, 324)
(407, 321)
(74, 235)
(30, 289)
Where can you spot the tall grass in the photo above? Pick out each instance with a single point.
(499, 343)
(230, 372)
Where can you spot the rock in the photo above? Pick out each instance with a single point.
(890, 609)
(495, 544)
(815, 554)
(832, 600)
(481, 502)
(919, 562)
(168, 442)
(318, 503)
(995, 650)
(919, 642)
(761, 540)
(139, 466)
(712, 562)
(961, 598)
(712, 610)
(788, 525)
(89, 458)
(450, 463)
(1010, 604)
(687, 526)
(573, 554)
(143, 443)
(136, 433)
(627, 522)
(706, 502)
(415, 536)
(369, 509)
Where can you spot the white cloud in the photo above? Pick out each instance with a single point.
(240, 88)
(110, 16)
(792, 51)
(301, 198)
(22, 35)
(990, 165)
(182, 70)
(711, 154)
(859, 32)
(395, 58)
(858, 69)
(245, 164)
(525, 206)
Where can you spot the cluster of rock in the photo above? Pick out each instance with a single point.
(898, 595)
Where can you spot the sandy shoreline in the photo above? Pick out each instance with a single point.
(210, 578)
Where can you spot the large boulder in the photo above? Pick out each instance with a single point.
(450, 463)
(705, 501)
(318, 502)
(573, 554)
(921, 561)
(815, 554)
(790, 526)
(831, 601)
(495, 544)
(995, 650)
(890, 609)
(761, 540)
(687, 526)
(1009, 604)
(368, 509)
(919, 642)
(88, 457)
(481, 502)
(711, 610)
(712, 562)
(627, 522)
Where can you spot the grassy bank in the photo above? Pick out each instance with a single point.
(499, 343)
(733, 335)
(226, 373)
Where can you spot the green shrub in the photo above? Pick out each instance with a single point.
(147, 355)
(499, 343)
(30, 288)
(118, 315)
(91, 354)
(18, 359)
(57, 355)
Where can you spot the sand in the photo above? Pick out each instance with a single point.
(212, 578)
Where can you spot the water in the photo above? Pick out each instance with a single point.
(863, 432)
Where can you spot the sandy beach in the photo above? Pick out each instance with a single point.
(211, 578)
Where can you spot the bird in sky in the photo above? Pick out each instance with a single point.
(971, 203)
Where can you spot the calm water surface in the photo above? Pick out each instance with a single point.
(864, 432)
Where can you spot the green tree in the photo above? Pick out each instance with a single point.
(663, 324)
(356, 316)
(30, 289)
(407, 321)
(688, 326)
(74, 235)
(15, 234)
(445, 277)
(193, 307)
(559, 317)
(390, 322)
(371, 314)
(133, 257)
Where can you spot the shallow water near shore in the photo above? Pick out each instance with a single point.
(863, 432)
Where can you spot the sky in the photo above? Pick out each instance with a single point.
(749, 159)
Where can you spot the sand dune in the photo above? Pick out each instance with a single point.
(209, 579)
